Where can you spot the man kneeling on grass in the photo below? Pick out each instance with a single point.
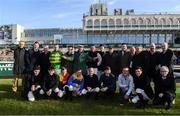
(166, 88)
(91, 84)
(51, 83)
(142, 87)
(125, 83)
(35, 84)
(107, 83)
(75, 85)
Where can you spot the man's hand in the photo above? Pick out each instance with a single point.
(126, 97)
(64, 57)
(78, 93)
(49, 92)
(104, 89)
(33, 88)
(126, 88)
(95, 58)
(143, 93)
(77, 86)
(161, 95)
(89, 89)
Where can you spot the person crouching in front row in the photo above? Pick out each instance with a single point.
(91, 84)
(142, 88)
(75, 85)
(51, 83)
(63, 78)
(107, 83)
(166, 88)
(125, 83)
(34, 84)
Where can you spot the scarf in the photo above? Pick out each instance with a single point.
(63, 78)
(76, 77)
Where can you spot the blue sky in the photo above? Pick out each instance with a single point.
(68, 13)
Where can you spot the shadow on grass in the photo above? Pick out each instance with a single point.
(6, 93)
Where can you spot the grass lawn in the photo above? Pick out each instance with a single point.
(15, 105)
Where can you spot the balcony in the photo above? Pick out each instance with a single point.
(131, 27)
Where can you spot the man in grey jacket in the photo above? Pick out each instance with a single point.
(125, 83)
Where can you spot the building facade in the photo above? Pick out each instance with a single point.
(133, 28)
(101, 28)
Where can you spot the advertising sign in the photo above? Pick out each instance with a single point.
(1, 35)
(6, 68)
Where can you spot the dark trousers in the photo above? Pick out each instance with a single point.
(26, 85)
(36, 94)
(167, 97)
(142, 101)
(68, 93)
(107, 94)
(92, 94)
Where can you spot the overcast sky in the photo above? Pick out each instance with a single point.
(68, 13)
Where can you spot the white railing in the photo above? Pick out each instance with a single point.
(133, 27)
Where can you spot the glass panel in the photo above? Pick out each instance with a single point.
(146, 39)
(139, 39)
(132, 39)
(169, 38)
(125, 38)
(161, 38)
(154, 38)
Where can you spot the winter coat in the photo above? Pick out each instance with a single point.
(19, 61)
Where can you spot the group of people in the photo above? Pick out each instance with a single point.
(6, 55)
(97, 73)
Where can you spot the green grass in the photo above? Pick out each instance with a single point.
(15, 105)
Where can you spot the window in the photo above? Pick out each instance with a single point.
(118, 23)
(146, 38)
(97, 23)
(161, 38)
(111, 23)
(154, 38)
(139, 39)
(132, 39)
(104, 23)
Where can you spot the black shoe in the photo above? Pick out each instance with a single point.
(65, 97)
(87, 95)
(138, 104)
(14, 94)
(168, 106)
(96, 97)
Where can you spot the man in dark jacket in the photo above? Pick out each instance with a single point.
(51, 83)
(167, 57)
(32, 57)
(44, 61)
(19, 65)
(107, 83)
(68, 63)
(91, 83)
(110, 59)
(35, 84)
(96, 59)
(166, 88)
(140, 59)
(154, 59)
(123, 58)
(142, 87)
